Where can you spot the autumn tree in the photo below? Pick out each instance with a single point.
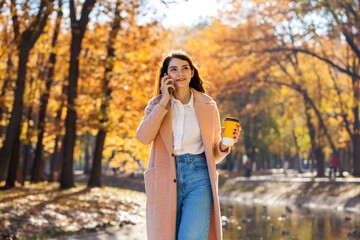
(343, 22)
(239, 49)
(95, 177)
(78, 28)
(25, 41)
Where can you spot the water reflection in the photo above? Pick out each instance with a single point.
(253, 222)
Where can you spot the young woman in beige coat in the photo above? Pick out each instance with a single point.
(181, 181)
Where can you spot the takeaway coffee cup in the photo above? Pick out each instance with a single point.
(230, 125)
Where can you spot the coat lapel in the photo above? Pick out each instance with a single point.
(166, 130)
(204, 107)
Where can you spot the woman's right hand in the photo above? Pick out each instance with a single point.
(164, 90)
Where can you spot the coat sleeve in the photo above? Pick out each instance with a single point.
(218, 154)
(150, 125)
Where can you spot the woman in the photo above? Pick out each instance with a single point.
(181, 180)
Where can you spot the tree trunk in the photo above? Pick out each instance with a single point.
(14, 125)
(95, 177)
(356, 132)
(78, 28)
(14, 163)
(25, 163)
(297, 151)
(320, 161)
(316, 149)
(56, 154)
(28, 144)
(87, 160)
(53, 161)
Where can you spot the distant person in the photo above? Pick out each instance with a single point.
(334, 164)
(248, 167)
(185, 132)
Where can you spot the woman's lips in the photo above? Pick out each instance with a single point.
(180, 80)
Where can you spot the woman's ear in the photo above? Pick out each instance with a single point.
(192, 73)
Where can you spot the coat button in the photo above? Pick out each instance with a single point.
(172, 154)
(174, 180)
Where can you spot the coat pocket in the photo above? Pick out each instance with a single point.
(149, 180)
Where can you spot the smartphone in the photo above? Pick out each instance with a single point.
(171, 90)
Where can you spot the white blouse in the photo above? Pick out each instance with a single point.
(185, 128)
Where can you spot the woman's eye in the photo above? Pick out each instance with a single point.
(173, 69)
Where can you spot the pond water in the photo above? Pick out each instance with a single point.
(257, 222)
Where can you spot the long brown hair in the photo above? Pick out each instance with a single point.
(196, 82)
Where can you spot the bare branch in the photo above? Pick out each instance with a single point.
(331, 63)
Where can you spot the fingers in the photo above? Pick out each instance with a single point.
(165, 80)
(236, 133)
(165, 86)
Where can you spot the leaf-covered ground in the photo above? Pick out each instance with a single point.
(42, 210)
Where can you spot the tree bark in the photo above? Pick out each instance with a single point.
(56, 153)
(298, 160)
(78, 28)
(28, 144)
(87, 160)
(356, 131)
(14, 163)
(95, 177)
(25, 163)
(316, 148)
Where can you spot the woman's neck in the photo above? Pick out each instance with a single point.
(183, 95)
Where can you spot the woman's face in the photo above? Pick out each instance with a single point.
(179, 70)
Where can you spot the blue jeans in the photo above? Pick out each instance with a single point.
(194, 197)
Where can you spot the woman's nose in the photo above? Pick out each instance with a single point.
(180, 72)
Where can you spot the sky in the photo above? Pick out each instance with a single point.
(185, 13)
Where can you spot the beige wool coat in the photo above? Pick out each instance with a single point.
(160, 176)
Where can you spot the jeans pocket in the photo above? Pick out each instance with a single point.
(149, 180)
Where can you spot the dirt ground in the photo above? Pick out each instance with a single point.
(126, 181)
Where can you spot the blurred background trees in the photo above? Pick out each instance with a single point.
(76, 76)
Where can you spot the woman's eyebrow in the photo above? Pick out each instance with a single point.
(185, 65)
